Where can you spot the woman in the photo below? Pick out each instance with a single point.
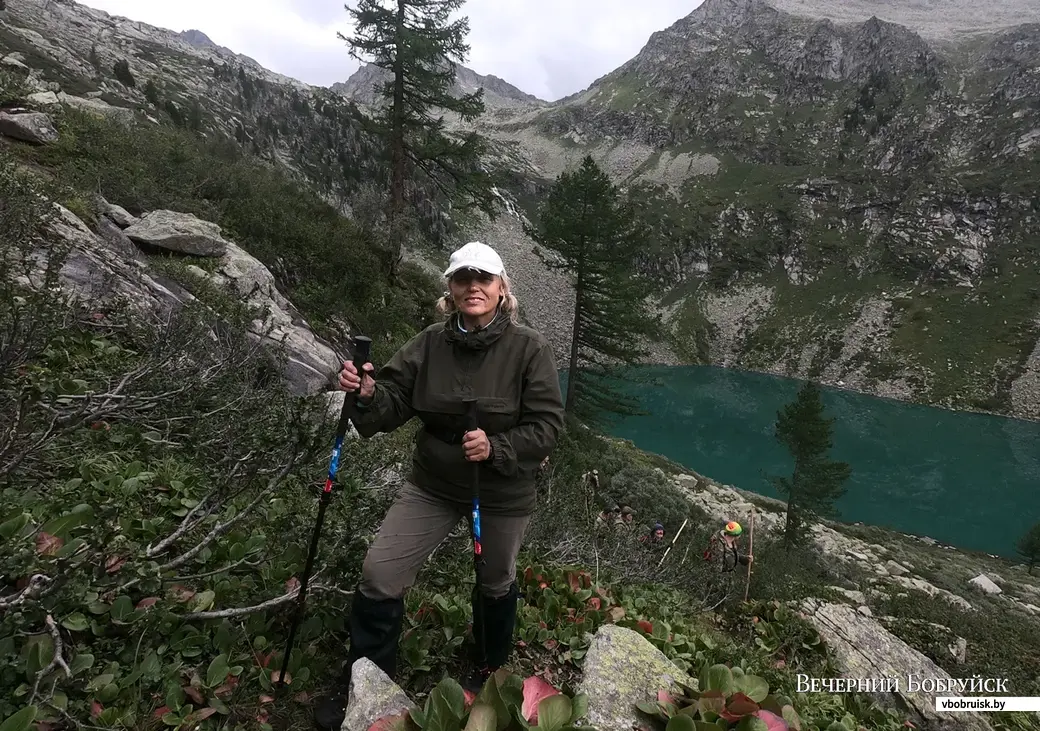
(480, 351)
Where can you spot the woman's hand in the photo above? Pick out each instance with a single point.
(350, 381)
(476, 446)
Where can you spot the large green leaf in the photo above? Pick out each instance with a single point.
(554, 712)
(752, 723)
(20, 721)
(754, 687)
(579, 707)
(60, 526)
(76, 622)
(482, 717)
(217, 671)
(681, 723)
(719, 677)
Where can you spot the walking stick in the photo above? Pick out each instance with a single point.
(751, 551)
(472, 424)
(674, 539)
(362, 354)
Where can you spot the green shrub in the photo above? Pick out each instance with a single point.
(651, 494)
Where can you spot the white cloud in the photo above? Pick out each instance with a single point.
(550, 48)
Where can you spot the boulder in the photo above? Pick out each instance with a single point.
(97, 106)
(911, 582)
(372, 696)
(985, 584)
(621, 670)
(117, 214)
(35, 127)
(896, 569)
(43, 99)
(863, 648)
(180, 232)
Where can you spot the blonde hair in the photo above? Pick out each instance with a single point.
(508, 306)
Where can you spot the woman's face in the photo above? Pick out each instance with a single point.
(476, 294)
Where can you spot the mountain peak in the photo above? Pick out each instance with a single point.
(197, 38)
(497, 92)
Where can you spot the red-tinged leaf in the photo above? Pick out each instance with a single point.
(664, 696)
(469, 697)
(96, 709)
(276, 676)
(114, 563)
(48, 545)
(773, 721)
(266, 699)
(181, 593)
(521, 643)
(645, 626)
(147, 602)
(595, 603)
(202, 714)
(161, 711)
(528, 575)
(586, 579)
(738, 706)
(292, 584)
(574, 581)
(195, 694)
(535, 689)
(265, 660)
(303, 697)
(47, 726)
(550, 644)
(394, 722)
(261, 717)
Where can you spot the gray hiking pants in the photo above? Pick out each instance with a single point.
(415, 525)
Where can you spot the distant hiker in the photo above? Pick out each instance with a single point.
(606, 519)
(723, 549)
(590, 492)
(627, 517)
(724, 553)
(656, 535)
(480, 350)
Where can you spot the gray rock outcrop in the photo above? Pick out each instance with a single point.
(863, 648)
(106, 266)
(622, 669)
(373, 695)
(986, 584)
(183, 233)
(35, 127)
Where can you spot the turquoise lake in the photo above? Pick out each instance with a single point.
(970, 480)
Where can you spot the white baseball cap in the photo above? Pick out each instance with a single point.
(475, 255)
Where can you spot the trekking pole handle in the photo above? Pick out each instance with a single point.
(362, 352)
(472, 419)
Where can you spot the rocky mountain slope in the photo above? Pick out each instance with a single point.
(834, 192)
(838, 192)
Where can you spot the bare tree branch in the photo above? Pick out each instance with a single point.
(222, 528)
(262, 606)
(37, 584)
(57, 661)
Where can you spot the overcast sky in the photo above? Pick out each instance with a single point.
(549, 48)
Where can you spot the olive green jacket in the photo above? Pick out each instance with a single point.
(511, 372)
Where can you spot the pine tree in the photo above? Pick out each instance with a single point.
(598, 239)
(414, 42)
(1029, 547)
(817, 480)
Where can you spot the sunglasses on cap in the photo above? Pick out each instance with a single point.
(466, 276)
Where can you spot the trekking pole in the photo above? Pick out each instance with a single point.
(674, 539)
(473, 423)
(362, 354)
(751, 551)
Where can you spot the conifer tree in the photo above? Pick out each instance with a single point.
(817, 480)
(417, 46)
(1029, 547)
(596, 235)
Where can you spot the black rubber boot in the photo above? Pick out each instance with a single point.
(493, 623)
(375, 627)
